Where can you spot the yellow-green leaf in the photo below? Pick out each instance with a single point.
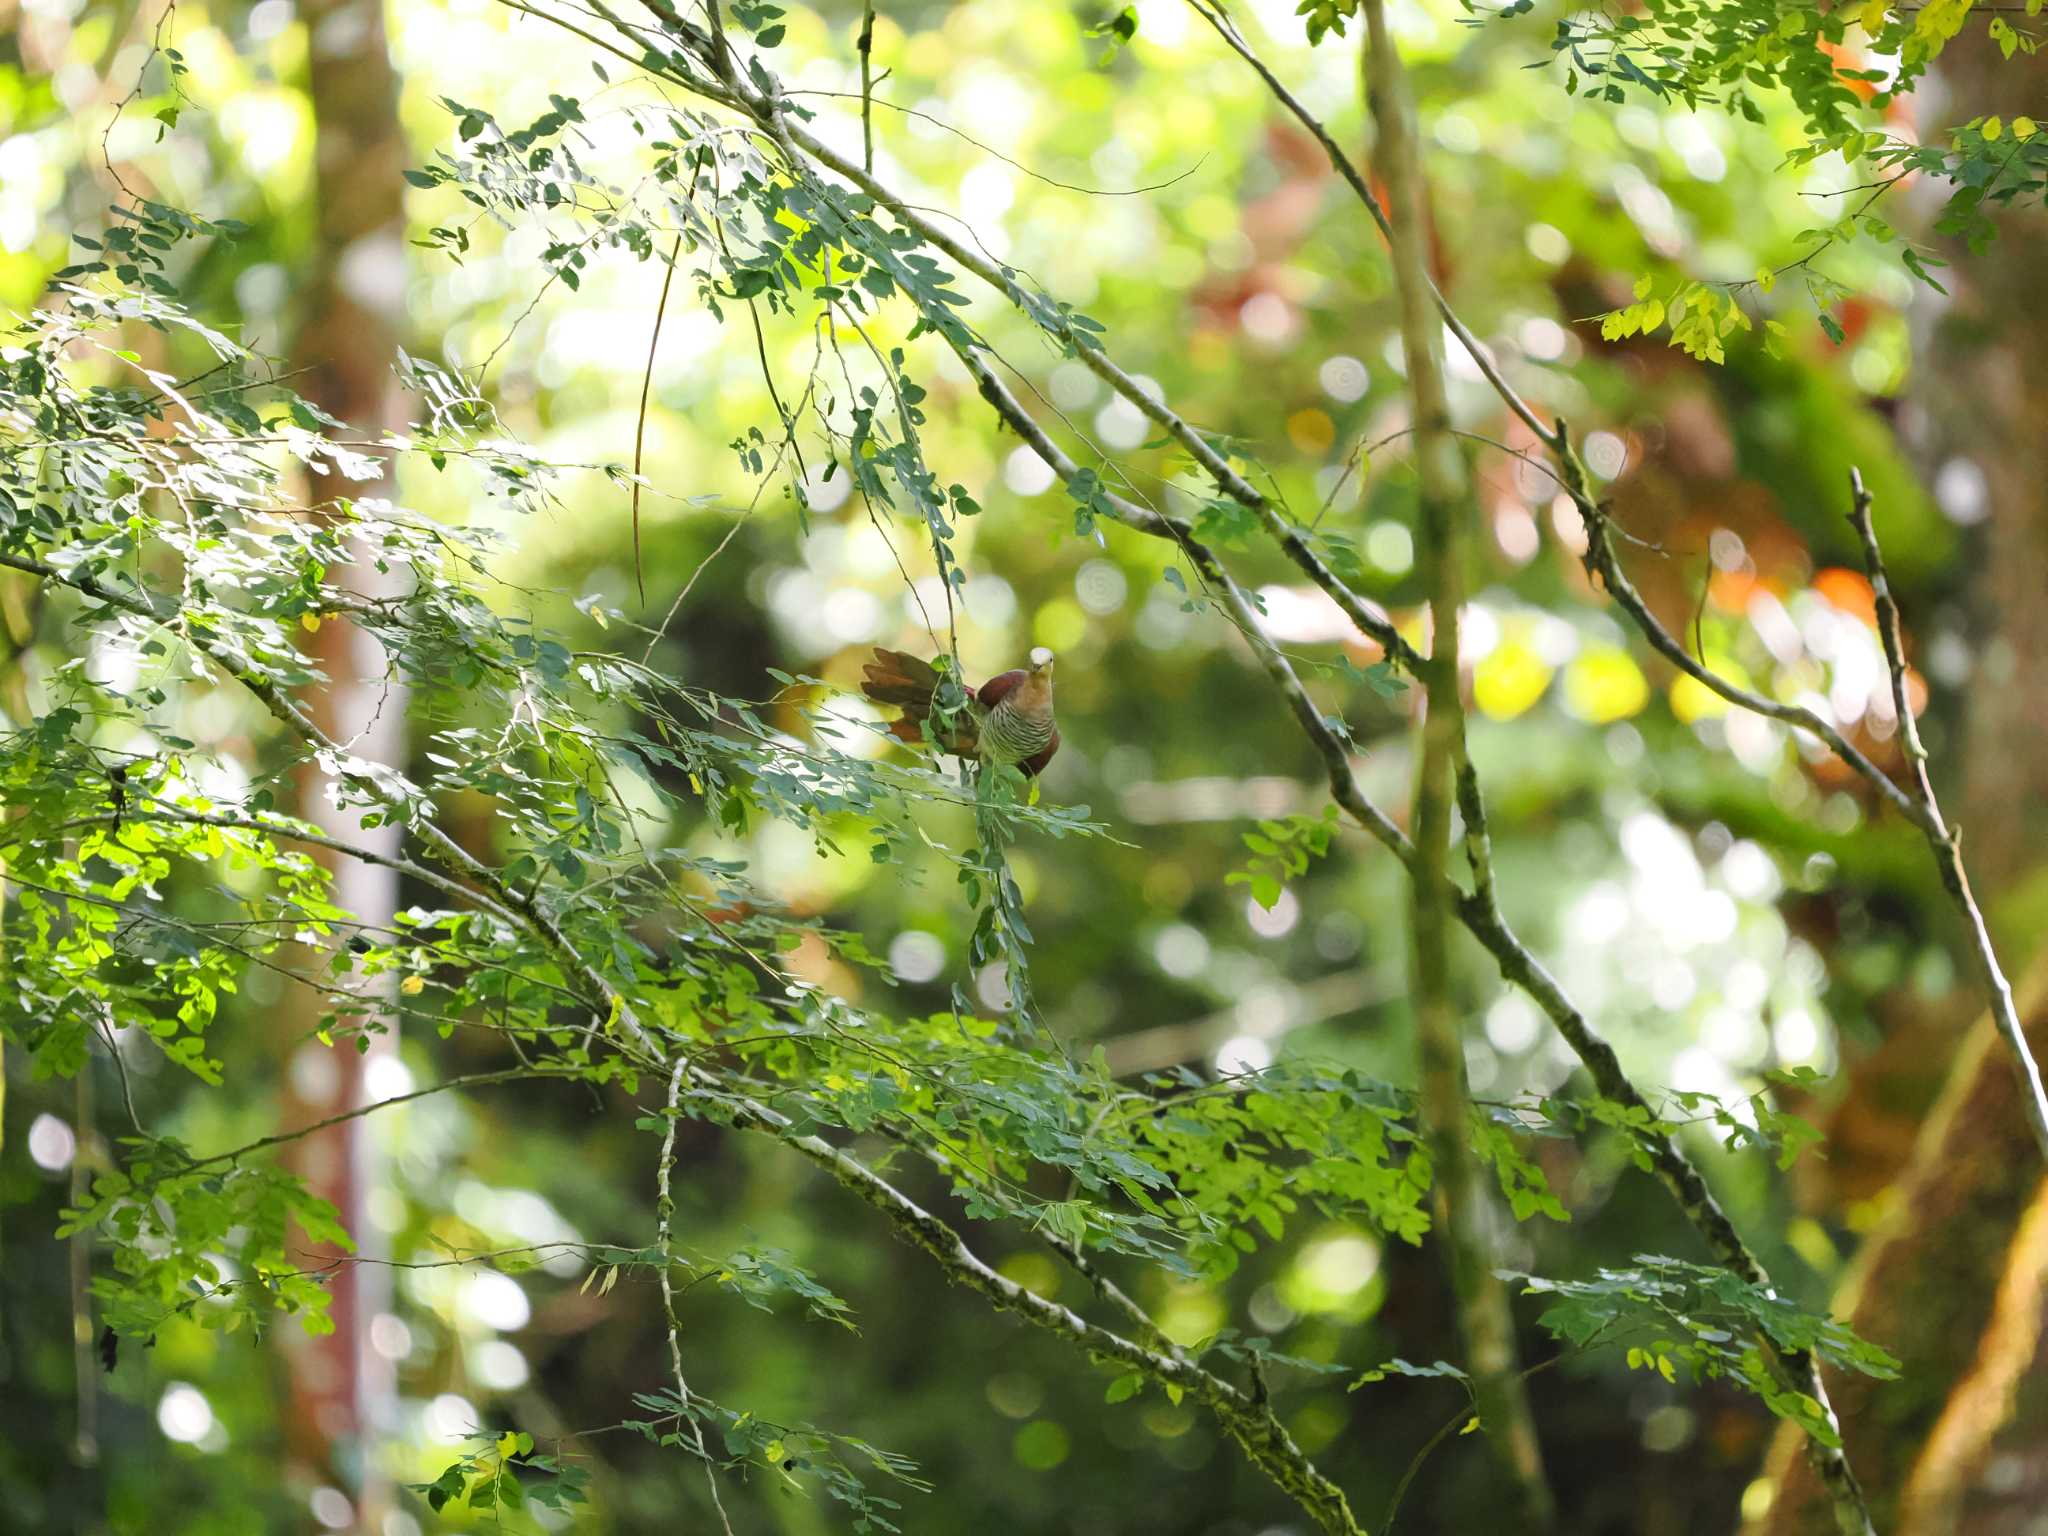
(1938, 22)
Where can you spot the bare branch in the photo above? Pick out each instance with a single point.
(1945, 842)
(1601, 559)
(471, 1080)
(664, 1214)
(668, 277)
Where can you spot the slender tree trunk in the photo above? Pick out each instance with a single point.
(1464, 1207)
(342, 1394)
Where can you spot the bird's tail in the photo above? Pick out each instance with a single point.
(908, 682)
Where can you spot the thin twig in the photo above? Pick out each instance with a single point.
(104, 1030)
(664, 1212)
(1600, 559)
(640, 427)
(1945, 843)
(990, 150)
(1342, 163)
(471, 1080)
(866, 45)
(1462, 1416)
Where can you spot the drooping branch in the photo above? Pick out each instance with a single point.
(1250, 1421)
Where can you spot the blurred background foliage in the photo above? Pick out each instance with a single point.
(1718, 900)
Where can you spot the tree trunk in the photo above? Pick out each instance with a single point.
(342, 1391)
(1463, 1200)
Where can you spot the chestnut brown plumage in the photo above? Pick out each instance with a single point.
(1007, 720)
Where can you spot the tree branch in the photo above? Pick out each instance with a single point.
(1600, 558)
(472, 1080)
(1249, 1421)
(664, 1214)
(1945, 843)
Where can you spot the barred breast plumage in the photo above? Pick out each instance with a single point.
(1012, 734)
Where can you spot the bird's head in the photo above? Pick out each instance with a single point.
(1034, 693)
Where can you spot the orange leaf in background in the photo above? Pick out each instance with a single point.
(1730, 591)
(1851, 56)
(1855, 315)
(1847, 590)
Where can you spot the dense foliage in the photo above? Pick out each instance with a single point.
(652, 846)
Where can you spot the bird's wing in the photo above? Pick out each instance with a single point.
(1000, 687)
(1034, 765)
(896, 677)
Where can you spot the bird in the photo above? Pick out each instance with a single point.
(1007, 720)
